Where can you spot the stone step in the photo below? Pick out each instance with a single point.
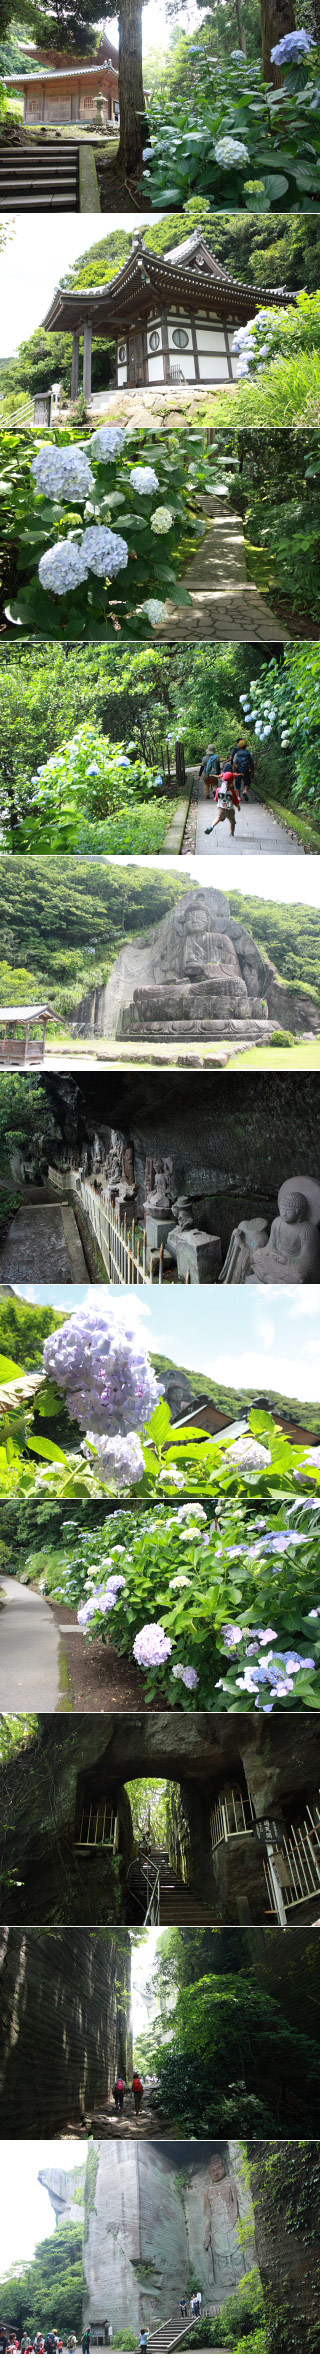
(40, 204)
(47, 180)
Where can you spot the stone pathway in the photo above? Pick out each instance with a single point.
(256, 830)
(106, 2122)
(225, 605)
(29, 1658)
(43, 1244)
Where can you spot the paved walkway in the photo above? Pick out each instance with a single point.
(225, 604)
(256, 830)
(43, 1243)
(29, 1656)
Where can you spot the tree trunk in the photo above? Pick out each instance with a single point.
(240, 28)
(133, 125)
(277, 18)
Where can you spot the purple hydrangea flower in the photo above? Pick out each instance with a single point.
(151, 1646)
(292, 48)
(189, 1676)
(104, 1370)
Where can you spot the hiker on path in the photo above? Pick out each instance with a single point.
(228, 801)
(209, 770)
(183, 2306)
(243, 767)
(118, 2092)
(137, 2092)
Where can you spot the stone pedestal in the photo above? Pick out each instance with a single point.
(156, 1233)
(193, 1250)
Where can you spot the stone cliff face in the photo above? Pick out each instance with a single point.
(65, 2025)
(66, 2192)
(198, 973)
(150, 2227)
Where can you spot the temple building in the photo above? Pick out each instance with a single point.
(68, 93)
(172, 317)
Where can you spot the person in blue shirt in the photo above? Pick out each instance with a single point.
(243, 767)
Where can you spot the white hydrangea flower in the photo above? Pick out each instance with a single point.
(63, 567)
(144, 480)
(104, 551)
(63, 473)
(155, 610)
(121, 1458)
(231, 151)
(161, 520)
(107, 442)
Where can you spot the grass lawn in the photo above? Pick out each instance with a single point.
(303, 1058)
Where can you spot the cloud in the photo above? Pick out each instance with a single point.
(248, 1371)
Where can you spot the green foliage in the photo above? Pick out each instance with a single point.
(292, 941)
(277, 131)
(86, 782)
(230, 2040)
(15, 1732)
(149, 1805)
(73, 923)
(23, 1330)
(48, 2292)
(243, 2315)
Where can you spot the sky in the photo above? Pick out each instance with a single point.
(267, 1338)
(26, 2214)
(30, 271)
(271, 880)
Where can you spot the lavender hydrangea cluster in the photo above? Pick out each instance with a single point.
(66, 565)
(104, 1370)
(105, 552)
(187, 1674)
(102, 1601)
(144, 480)
(292, 48)
(107, 442)
(63, 473)
(63, 568)
(151, 1646)
(249, 1454)
(120, 1459)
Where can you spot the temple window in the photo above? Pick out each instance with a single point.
(154, 340)
(181, 338)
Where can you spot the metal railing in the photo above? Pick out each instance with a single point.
(233, 1814)
(296, 1864)
(123, 1249)
(150, 1913)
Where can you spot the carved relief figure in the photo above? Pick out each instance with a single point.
(221, 2213)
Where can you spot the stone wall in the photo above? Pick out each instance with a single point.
(285, 2184)
(64, 2025)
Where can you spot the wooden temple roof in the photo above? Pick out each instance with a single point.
(149, 281)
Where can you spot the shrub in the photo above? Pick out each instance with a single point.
(282, 1040)
(238, 142)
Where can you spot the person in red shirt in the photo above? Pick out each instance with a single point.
(228, 801)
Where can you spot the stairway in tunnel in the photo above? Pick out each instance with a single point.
(179, 1902)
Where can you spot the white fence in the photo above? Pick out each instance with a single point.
(297, 1864)
(123, 1250)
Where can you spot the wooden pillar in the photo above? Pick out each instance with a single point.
(195, 351)
(87, 352)
(43, 103)
(229, 360)
(165, 348)
(44, 1038)
(75, 366)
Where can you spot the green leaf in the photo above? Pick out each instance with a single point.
(47, 1449)
(9, 1372)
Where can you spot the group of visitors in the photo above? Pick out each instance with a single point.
(231, 781)
(120, 2090)
(193, 2305)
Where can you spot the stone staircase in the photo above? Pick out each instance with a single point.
(43, 178)
(168, 2336)
(180, 1904)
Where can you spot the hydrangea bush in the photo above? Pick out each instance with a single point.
(99, 540)
(217, 1608)
(283, 705)
(88, 778)
(238, 141)
(276, 332)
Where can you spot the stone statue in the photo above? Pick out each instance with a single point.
(221, 2214)
(158, 1201)
(183, 1211)
(291, 1253)
(114, 1164)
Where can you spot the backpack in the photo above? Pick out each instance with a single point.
(137, 2083)
(212, 766)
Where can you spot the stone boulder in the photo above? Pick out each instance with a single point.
(198, 974)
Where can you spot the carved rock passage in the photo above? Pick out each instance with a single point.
(198, 974)
(147, 2232)
(64, 2025)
